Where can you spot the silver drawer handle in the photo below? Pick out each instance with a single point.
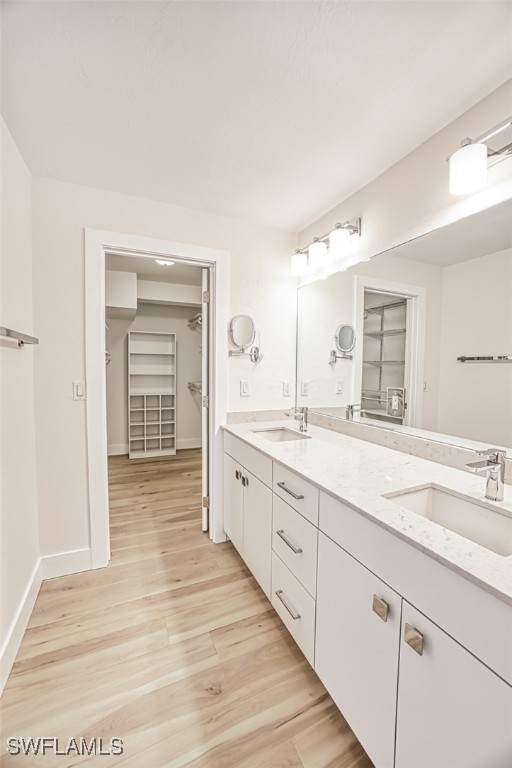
(282, 535)
(295, 495)
(290, 610)
(380, 607)
(414, 638)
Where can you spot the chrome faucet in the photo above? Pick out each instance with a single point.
(494, 466)
(301, 414)
(351, 409)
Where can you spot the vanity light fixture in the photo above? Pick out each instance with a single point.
(299, 263)
(330, 246)
(469, 164)
(164, 262)
(317, 253)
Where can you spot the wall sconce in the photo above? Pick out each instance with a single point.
(469, 164)
(324, 249)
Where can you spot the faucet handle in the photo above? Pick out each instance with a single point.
(496, 454)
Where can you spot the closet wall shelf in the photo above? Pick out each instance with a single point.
(21, 338)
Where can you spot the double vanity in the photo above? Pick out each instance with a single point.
(393, 575)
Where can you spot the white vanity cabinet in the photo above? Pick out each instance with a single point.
(453, 712)
(248, 508)
(357, 648)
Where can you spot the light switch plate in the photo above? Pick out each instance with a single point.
(304, 388)
(287, 389)
(339, 387)
(79, 390)
(244, 389)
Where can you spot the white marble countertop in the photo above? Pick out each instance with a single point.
(358, 473)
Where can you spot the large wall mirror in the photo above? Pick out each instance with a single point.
(420, 312)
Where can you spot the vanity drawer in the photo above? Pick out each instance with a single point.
(295, 540)
(295, 607)
(254, 461)
(300, 494)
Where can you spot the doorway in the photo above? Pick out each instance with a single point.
(389, 360)
(157, 383)
(211, 320)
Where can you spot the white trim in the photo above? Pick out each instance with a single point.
(118, 449)
(97, 242)
(415, 341)
(64, 563)
(18, 625)
(188, 442)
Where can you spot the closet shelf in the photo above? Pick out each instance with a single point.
(390, 332)
(379, 308)
(384, 362)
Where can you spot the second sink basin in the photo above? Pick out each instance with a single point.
(280, 434)
(478, 521)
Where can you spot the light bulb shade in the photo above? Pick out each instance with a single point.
(317, 254)
(338, 239)
(299, 264)
(468, 169)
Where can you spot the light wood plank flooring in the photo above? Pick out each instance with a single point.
(173, 648)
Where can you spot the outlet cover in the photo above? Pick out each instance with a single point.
(244, 389)
(304, 388)
(287, 389)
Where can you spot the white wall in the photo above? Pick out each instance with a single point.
(163, 318)
(325, 304)
(260, 285)
(412, 198)
(476, 399)
(19, 534)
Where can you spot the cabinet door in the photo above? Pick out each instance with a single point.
(233, 502)
(257, 529)
(453, 712)
(357, 646)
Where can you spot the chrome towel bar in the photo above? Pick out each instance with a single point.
(21, 338)
(486, 359)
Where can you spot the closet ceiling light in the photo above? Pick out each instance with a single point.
(164, 262)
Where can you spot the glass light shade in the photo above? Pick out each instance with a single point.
(317, 254)
(468, 169)
(299, 264)
(338, 239)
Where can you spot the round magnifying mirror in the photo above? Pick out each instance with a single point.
(345, 338)
(242, 331)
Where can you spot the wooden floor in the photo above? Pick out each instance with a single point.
(173, 648)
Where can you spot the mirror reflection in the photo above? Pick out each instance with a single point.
(242, 331)
(420, 312)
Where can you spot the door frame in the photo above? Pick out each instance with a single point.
(97, 244)
(415, 340)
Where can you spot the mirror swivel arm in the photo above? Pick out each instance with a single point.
(333, 357)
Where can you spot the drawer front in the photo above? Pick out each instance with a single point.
(295, 607)
(295, 540)
(300, 494)
(254, 461)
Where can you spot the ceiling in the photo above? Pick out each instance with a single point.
(267, 111)
(147, 269)
(482, 233)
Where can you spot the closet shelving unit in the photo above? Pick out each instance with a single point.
(383, 321)
(151, 394)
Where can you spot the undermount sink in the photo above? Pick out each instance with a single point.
(280, 434)
(478, 521)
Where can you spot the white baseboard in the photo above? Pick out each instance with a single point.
(188, 442)
(117, 450)
(18, 626)
(64, 563)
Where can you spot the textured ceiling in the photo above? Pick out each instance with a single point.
(267, 111)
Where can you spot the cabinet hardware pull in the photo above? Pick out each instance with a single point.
(295, 495)
(282, 535)
(380, 607)
(238, 474)
(291, 611)
(414, 638)
(245, 481)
